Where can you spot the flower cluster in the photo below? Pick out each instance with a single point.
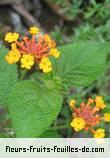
(87, 116)
(30, 51)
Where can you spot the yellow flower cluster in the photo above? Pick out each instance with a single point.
(14, 55)
(78, 124)
(34, 30)
(30, 51)
(49, 41)
(54, 52)
(99, 133)
(11, 37)
(45, 65)
(88, 116)
(100, 102)
(106, 117)
(27, 61)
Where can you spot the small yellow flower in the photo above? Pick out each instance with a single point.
(78, 124)
(27, 61)
(11, 37)
(54, 52)
(99, 133)
(47, 38)
(51, 43)
(14, 55)
(45, 65)
(106, 117)
(34, 30)
(72, 103)
(100, 102)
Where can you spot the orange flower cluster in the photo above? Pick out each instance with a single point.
(87, 116)
(33, 50)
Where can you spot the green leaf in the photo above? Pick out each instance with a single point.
(8, 76)
(51, 134)
(33, 108)
(80, 63)
(107, 109)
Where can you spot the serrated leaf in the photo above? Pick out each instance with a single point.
(32, 108)
(8, 76)
(81, 63)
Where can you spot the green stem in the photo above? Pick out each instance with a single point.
(22, 74)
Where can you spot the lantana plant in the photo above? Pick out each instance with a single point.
(88, 116)
(35, 76)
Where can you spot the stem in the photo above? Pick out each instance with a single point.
(22, 75)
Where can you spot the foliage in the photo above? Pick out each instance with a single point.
(68, 9)
(36, 103)
(88, 32)
(8, 76)
(77, 65)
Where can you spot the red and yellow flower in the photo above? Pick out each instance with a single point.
(31, 51)
(87, 116)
